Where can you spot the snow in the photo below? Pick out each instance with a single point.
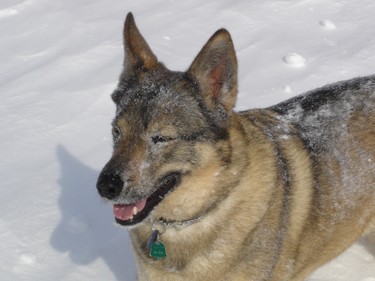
(327, 24)
(295, 60)
(60, 61)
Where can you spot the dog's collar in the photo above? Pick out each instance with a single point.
(161, 225)
(155, 245)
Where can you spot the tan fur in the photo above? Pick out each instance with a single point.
(216, 248)
(275, 200)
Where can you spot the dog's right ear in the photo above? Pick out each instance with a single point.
(138, 55)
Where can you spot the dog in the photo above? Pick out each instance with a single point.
(208, 193)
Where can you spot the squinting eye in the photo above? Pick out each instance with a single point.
(158, 139)
(116, 132)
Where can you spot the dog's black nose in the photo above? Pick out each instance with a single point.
(109, 185)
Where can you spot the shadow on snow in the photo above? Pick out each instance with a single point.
(86, 230)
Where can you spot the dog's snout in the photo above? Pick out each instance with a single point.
(109, 185)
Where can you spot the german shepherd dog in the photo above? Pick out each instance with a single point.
(214, 194)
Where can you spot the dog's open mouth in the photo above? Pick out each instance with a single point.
(131, 214)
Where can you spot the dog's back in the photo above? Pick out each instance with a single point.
(337, 126)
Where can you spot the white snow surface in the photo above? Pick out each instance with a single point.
(60, 61)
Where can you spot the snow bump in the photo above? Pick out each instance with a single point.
(27, 258)
(327, 24)
(295, 60)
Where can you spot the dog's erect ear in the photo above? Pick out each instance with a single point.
(137, 52)
(215, 69)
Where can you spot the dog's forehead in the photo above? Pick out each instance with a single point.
(149, 87)
(151, 99)
(149, 96)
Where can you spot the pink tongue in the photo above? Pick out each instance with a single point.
(125, 212)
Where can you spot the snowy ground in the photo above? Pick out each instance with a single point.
(59, 63)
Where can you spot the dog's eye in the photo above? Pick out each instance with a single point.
(116, 132)
(159, 139)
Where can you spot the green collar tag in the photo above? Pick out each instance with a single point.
(154, 245)
(157, 250)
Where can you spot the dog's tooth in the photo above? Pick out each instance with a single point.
(135, 211)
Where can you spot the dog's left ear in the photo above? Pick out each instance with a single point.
(138, 55)
(215, 69)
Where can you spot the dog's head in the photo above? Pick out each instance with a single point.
(169, 130)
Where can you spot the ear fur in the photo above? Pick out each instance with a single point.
(137, 52)
(215, 70)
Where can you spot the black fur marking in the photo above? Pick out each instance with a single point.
(322, 115)
(199, 135)
(313, 100)
(284, 216)
(286, 178)
(144, 114)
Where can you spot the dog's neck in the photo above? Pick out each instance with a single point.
(162, 224)
(155, 245)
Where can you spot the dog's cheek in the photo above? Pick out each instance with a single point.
(198, 190)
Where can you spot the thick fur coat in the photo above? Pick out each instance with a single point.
(264, 194)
